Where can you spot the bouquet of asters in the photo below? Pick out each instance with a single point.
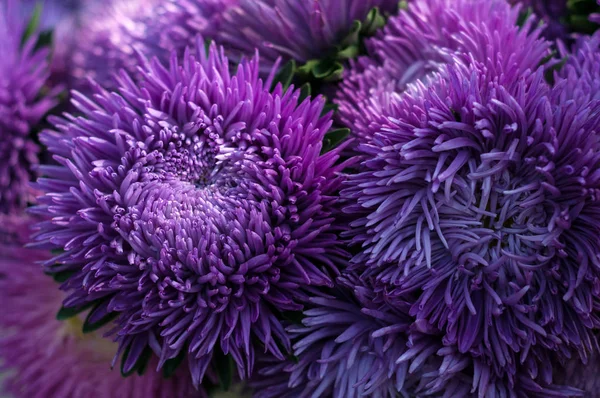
(299, 198)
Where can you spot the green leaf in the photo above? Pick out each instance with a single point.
(44, 39)
(353, 36)
(172, 364)
(305, 91)
(403, 5)
(524, 16)
(285, 75)
(68, 312)
(33, 24)
(295, 317)
(89, 327)
(549, 72)
(140, 365)
(62, 276)
(329, 107)
(207, 44)
(225, 367)
(334, 138)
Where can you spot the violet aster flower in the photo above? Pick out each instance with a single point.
(562, 17)
(23, 73)
(196, 206)
(44, 357)
(553, 13)
(582, 376)
(579, 78)
(294, 30)
(352, 344)
(422, 38)
(54, 12)
(477, 204)
(340, 352)
(108, 35)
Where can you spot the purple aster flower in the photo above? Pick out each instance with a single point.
(422, 38)
(23, 73)
(109, 35)
(353, 344)
(291, 29)
(562, 17)
(44, 357)
(340, 351)
(196, 205)
(477, 204)
(54, 12)
(552, 13)
(582, 376)
(595, 17)
(579, 78)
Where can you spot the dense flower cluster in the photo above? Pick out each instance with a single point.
(474, 205)
(421, 39)
(304, 198)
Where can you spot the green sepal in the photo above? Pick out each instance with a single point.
(225, 367)
(374, 21)
(328, 71)
(334, 138)
(171, 365)
(354, 35)
(89, 327)
(349, 52)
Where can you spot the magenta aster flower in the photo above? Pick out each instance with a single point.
(477, 204)
(44, 357)
(293, 30)
(108, 35)
(23, 73)
(197, 206)
(422, 38)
